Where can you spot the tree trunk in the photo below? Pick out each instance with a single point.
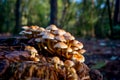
(17, 16)
(110, 20)
(53, 12)
(117, 13)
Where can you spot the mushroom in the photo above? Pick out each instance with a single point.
(39, 42)
(48, 37)
(25, 27)
(56, 61)
(69, 63)
(78, 58)
(59, 32)
(81, 51)
(60, 38)
(52, 27)
(60, 46)
(77, 44)
(32, 50)
(27, 34)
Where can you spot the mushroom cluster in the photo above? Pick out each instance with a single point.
(55, 41)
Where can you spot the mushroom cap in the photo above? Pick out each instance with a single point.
(81, 51)
(69, 63)
(77, 44)
(31, 49)
(48, 36)
(52, 27)
(75, 52)
(39, 40)
(78, 57)
(44, 33)
(67, 34)
(75, 48)
(56, 60)
(25, 27)
(60, 45)
(60, 38)
(59, 32)
(34, 28)
(40, 29)
(69, 50)
(25, 32)
(69, 37)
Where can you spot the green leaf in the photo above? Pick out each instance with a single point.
(99, 65)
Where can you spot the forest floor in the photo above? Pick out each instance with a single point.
(104, 55)
(101, 54)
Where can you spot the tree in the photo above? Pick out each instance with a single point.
(117, 13)
(53, 12)
(17, 16)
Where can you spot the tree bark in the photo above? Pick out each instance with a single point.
(110, 20)
(117, 13)
(53, 12)
(17, 16)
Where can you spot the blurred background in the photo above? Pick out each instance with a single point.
(84, 18)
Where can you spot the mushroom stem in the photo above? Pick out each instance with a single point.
(50, 46)
(45, 48)
(39, 46)
(69, 45)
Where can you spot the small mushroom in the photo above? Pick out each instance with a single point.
(49, 37)
(56, 61)
(60, 46)
(81, 51)
(59, 32)
(78, 58)
(52, 27)
(25, 27)
(32, 50)
(77, 44)
(27, 34)
(69, 63)
(60, 38)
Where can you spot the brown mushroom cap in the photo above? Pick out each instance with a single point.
(48, 36)
(60, 45)
(52, 27)
(69, 50)
(34, 28)
(77, 44)
(56, 60)
(25, 27)
(59, 32)
(67, 34)
(40, 29)
(60, 38)
(69, 63)
(69, 37)
(31, 49)
(81, 51)
(78, 57)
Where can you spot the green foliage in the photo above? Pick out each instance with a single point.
(85, 18)
(7, 17)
